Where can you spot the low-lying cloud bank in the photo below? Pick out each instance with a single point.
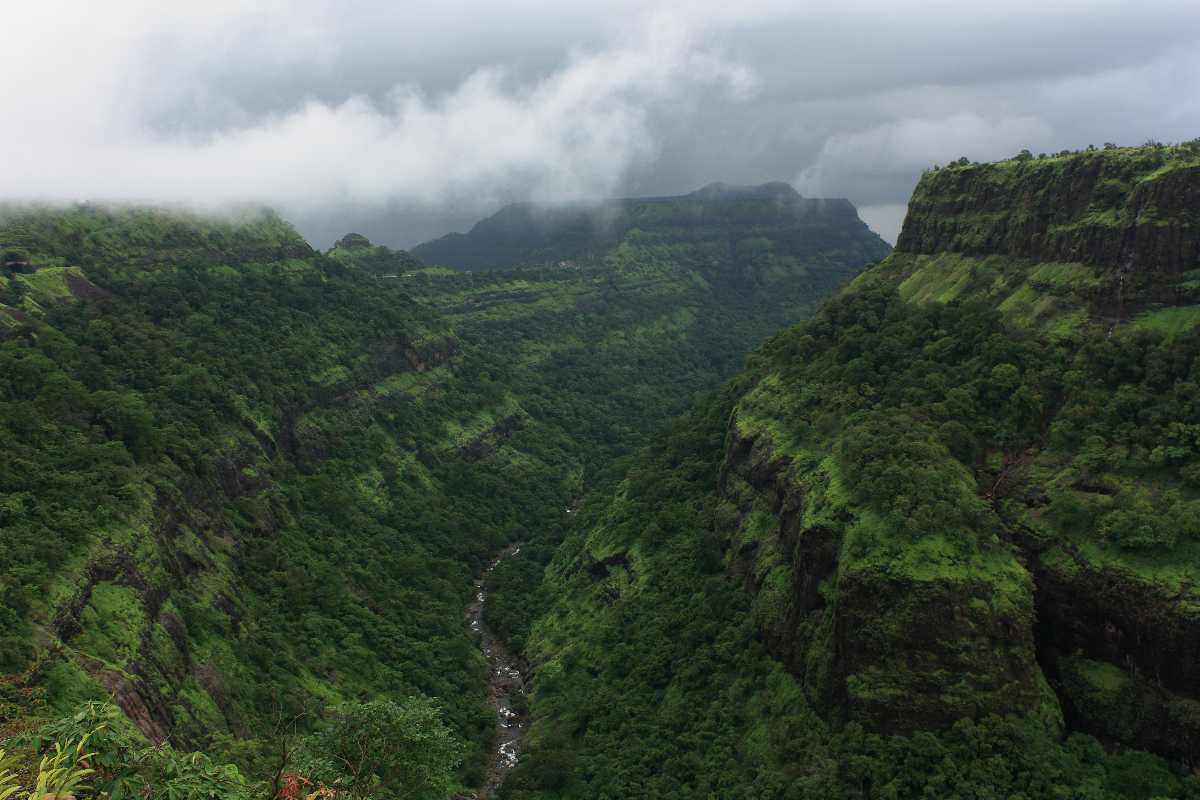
(569, 134)
(338, 113)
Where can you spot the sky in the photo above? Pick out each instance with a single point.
(405, 120)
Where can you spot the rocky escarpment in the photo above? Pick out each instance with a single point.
(1122, 652)
(886, 643)
(1135, 209)
(1036, 604)
(137, 624)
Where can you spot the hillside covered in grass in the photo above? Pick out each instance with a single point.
(245, 485)
(941, 540)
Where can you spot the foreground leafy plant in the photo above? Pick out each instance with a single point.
(96, 753)
(8, 779)
(61, 774)
(384, 749)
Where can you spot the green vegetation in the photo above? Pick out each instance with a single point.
(939, 540)
(95, 752)
(401, 749)
(176, 531)
(669, 306)
(1170, 322)
(246, 485)
(381, 748)
(768, 231)
(651, 680)
(931, 492)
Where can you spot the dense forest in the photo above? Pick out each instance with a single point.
(939, 541)
(935, 537)
(245, 486)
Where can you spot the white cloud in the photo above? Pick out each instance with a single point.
(340, 110)
(886, 219)
(873, 158)
(572, 132)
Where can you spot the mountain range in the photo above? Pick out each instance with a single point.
(783, 512)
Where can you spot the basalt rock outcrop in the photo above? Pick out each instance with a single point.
(1093, 208)
(1030, 615)
(879, 641)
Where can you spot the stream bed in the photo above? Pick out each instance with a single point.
(506, 687)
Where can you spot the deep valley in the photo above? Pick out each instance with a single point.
(740, 501)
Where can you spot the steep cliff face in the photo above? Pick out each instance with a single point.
(898, 631)
(1069, 590)
(1129, 212)
(1133, 208)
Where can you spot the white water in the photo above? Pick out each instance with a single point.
(506, 687)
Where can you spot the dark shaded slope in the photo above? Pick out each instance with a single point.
(524, 234)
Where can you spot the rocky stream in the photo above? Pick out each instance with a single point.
(506, 687)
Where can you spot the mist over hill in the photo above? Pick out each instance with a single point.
(245, 478)
(600, 400)
(526, 233)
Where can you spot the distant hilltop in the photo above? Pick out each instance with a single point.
(526, 233)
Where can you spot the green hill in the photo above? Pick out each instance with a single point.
(769, 225)
(243, 482)
(941, 540)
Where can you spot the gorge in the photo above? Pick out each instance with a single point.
(758, 507)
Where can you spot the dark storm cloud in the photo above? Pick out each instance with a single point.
(407, 119)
